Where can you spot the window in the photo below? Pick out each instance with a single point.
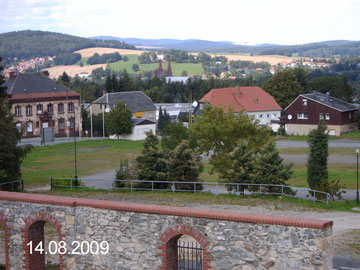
(327, 116)
(71, 107)
(28, 110)
(321, 116)
(18, 111)
(304, 102)
(61, 124)
(72, 122)
(50, 108)
(18, 126)
(350, 115)
(260, 116)
(268, 115)
(39, 108)
(61, 108)
(37, 124)
(150, 114)
(302, 116)
(201, 106)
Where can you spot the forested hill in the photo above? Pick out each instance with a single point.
(29, 44)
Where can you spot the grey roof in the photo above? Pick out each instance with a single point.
(330, 101)
(33, 83)
(141, 121)
(135, 100)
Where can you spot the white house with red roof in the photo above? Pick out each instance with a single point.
(253, 100)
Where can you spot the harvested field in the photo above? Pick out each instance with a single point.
(271, 59)
(91, 51)
(72, 70)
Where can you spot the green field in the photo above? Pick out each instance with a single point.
(177, 68)
(101, 155)
(92, 157)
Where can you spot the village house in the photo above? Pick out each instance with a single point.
(140, 105)
(38, 102)
(253, 100)
(305, 112)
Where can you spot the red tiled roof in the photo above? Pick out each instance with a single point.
(252, 99)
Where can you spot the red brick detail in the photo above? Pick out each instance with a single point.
(167, 210)
(3, 221)
(168, 248)
(34, 231)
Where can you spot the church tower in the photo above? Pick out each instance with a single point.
(160, 70)
(169, 71)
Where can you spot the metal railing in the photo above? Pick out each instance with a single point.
(194, 187)
(13, 186)
(190, 256)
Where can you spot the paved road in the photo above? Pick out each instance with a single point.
(332, 143)
(37, 141)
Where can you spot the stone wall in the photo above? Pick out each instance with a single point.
(140, 236)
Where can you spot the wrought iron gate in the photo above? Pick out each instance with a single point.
(190, 256)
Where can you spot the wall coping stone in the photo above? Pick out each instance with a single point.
(166, 210)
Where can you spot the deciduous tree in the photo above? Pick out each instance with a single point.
(118, 120)
(284, 87)
(218, 133)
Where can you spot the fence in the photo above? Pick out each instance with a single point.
(194, 187)
(13, 186)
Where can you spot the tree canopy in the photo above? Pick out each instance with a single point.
(284, 87)
(118, 120)
(218, 134)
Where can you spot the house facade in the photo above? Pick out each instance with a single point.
(140, 105)
(253, 100)
(305, 112)
(38, 102)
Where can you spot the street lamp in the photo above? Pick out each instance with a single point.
(103, 120)
(357, 176)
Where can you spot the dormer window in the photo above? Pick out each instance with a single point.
(304, 102)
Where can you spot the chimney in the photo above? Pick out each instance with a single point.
(46, 73)
(327, 95)
(104, 92)
(238, 91)
(12, 75)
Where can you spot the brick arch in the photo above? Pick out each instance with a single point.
(36, 221)
(168, 249)
(3, 221)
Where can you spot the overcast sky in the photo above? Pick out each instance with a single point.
(253, 21)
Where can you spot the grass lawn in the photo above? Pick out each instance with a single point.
(345, 172)
(92, 157)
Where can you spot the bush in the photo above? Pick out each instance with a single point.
(281, 131)
(333, 187)
(126, 171)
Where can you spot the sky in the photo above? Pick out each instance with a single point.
(284, 22)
